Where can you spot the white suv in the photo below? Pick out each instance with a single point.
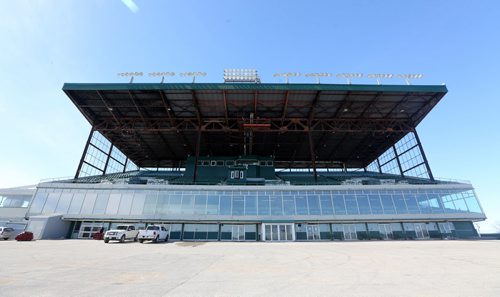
(121, 233)
(6, 232)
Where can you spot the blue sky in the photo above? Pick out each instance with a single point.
(46, 43)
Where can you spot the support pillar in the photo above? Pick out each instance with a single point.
(423, 155)
(379, 167)
(195, 173)
(107, 160)
(313, 156)
(125, 165)
(396, 156)
(84, 153)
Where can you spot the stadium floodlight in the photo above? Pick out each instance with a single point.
(380, 76)
(131, 74)
(193, 74)
(286, 75)
(162, 74)
(349, 76)
(318, 75)
(409, 77)
(244, 75)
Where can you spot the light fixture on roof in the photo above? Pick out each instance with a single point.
(193, 74)
(349, 76)
(237, 75)
(318, 75)
(287, 75)
(162, 74)
(409, 77)
(380, 76)
(131, 74)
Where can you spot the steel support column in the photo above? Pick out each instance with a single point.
(125, 165)
(396, 156)
(195, 173)
(107, 160)
(379, 167)
(313, 155)
(77, 174)
(423, 155)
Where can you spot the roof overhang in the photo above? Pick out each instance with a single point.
(158, 125)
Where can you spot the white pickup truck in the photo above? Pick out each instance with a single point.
(121, 233)
(154, 233)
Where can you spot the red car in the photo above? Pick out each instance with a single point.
(25, 236)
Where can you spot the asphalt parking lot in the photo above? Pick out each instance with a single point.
(385, 268)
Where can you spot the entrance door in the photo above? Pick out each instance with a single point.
(350, 232)
(313, 232)
(385, 231)
(278, 232)
(88, 229)
(238, 233)
(421, 231)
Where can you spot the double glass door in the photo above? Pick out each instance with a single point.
(421, 231)
(278, 232)
(350, 232)
(238, 233)
(312, 232)
(385, 231)
(88, 229)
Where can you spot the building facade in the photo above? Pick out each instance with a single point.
(255, 162)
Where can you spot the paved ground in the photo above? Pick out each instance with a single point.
(389, 268)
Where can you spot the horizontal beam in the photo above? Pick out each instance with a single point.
(268, 126)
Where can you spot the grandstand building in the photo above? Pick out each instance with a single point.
(254, 162)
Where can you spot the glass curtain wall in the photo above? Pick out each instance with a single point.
(160, 204)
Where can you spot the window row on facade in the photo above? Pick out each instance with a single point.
(296, 231)
(14, 201)
(140, 202)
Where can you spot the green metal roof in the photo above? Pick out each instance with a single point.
(250, 86)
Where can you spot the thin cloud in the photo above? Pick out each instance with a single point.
(131, 5)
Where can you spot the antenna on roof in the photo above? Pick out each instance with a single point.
(131, 74)
(287, 75)
(162, 74)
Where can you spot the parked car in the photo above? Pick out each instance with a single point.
(121, 233)
(154, 233)
(6, 232)
(25, 236)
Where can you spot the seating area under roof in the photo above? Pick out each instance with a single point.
(300, 125)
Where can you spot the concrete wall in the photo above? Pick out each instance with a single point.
(48, 227)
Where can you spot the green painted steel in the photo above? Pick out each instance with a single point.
(253, 87)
